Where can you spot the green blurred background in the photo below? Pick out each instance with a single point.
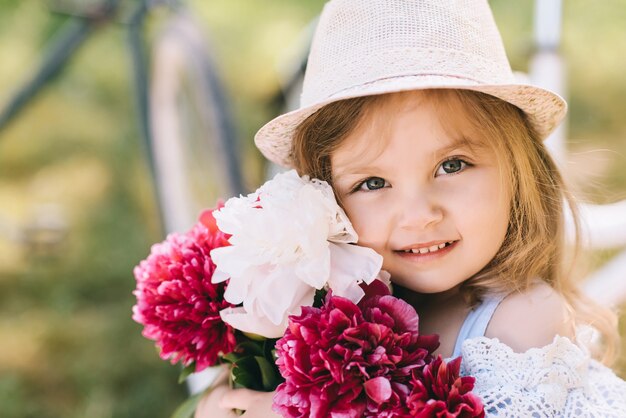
(68, 347)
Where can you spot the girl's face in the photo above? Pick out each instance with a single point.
(429, 200)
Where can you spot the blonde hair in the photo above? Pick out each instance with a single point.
(535, 244)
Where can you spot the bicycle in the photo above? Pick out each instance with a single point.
(186, 127)
(183, 110)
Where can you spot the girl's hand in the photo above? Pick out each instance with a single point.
(210, 404)
(221, 402)
(256, 404)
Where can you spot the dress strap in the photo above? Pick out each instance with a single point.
(476, 322)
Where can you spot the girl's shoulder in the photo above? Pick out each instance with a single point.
(532, 318)
(530, 363)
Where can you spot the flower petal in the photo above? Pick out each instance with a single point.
(315, 271)
(276, 298)
(226, 259)
(351, 264)
(378, 389)
(243, 321)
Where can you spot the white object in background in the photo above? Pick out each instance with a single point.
(603, 226)
(546, 67)
(197, 382)
(547, 70)
(607, 284)
(547, 28)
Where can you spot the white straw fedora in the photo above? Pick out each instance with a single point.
(367, 47)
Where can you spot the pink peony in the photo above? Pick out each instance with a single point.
(176, 301)
(439, 391)
(351, 360)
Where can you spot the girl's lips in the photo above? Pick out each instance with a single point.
(427, 257)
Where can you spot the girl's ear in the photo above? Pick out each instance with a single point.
(531, 318)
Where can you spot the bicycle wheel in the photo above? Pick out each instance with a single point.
(193, 141)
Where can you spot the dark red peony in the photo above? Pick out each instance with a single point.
(439, 391)
(351, 360)
(176, 301)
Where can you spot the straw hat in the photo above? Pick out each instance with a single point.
(367, 47)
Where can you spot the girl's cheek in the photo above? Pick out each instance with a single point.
(362, 220)
(473, 187)
(367, 218)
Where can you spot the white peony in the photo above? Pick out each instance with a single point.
(288, 239)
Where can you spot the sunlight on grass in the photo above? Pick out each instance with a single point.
(79, 183)
(24, 352)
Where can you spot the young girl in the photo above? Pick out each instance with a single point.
(410, 111)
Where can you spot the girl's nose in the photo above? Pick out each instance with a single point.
(419, 212)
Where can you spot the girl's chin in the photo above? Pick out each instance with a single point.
(420, 286)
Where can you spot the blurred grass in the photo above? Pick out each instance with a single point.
(68, 346)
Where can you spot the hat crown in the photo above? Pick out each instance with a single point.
(358, 42)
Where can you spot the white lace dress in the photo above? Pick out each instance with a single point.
(558, 380)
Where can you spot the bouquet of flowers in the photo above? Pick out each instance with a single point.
(274, 286)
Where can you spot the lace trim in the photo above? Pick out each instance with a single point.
(559, 379)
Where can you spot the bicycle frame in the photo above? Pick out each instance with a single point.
(75, 33)
(60, 50)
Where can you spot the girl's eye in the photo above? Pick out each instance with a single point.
(451, 166)
(372, 183)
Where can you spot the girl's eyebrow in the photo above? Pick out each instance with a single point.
(462, 142)
(458, 143)
(357, 170)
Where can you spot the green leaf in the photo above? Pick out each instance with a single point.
(184, 374)
(243, 350)
(232, 357)
(318, 299)
(187, 408)
(252, 336)
(269, 373)
(269, 347)
(246, 374)
(250, 348)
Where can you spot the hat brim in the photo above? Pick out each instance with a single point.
(544, 108)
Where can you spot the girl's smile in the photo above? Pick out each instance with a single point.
(428, 197)
(426, 253)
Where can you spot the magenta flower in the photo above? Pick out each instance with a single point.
(439, 391)
(351, 360)
(176, 301)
